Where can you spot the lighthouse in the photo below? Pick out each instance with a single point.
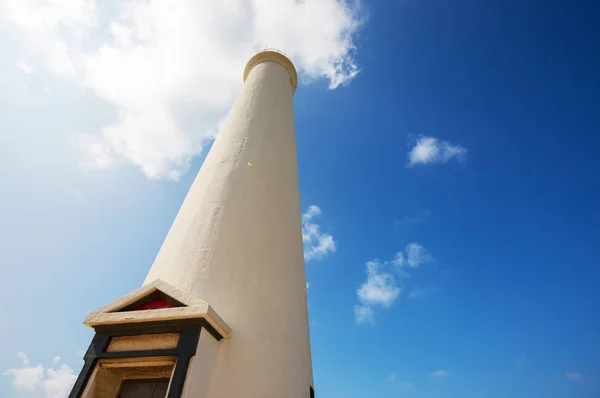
(222, 312)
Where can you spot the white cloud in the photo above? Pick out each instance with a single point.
(439, 373)
(77, 15)
(416, 255)
(317, 244)
(56, 382)
(413, 256)
(433, 150)
(25, 378)
(55, 29)
(574, 377)
(172, 69)
(380, 288)
(383, 285)
(25, 68)
(399, 260)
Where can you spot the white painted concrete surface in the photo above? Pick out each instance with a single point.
(200, 369)
(236, 243)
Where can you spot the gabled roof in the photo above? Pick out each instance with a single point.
(172, 304)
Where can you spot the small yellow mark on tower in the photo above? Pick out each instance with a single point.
(249, 164)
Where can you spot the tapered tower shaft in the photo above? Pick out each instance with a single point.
(236, 243)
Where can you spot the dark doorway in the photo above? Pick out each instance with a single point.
(144, 388)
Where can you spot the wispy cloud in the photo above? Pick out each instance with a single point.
(380, 287)
(383, 285)
(317, 244)
(148, 59)
(440, 373)
(363, 314)
(416, 255)
(54, 382)
(575, 377)
(413, 256)
(405, 385)
(429, 150)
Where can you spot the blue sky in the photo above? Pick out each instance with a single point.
(494, 293)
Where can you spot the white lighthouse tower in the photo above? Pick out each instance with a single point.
(223, 310)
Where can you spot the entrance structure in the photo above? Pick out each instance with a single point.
(223, 310)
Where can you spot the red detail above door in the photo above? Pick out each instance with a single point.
(154, 304)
